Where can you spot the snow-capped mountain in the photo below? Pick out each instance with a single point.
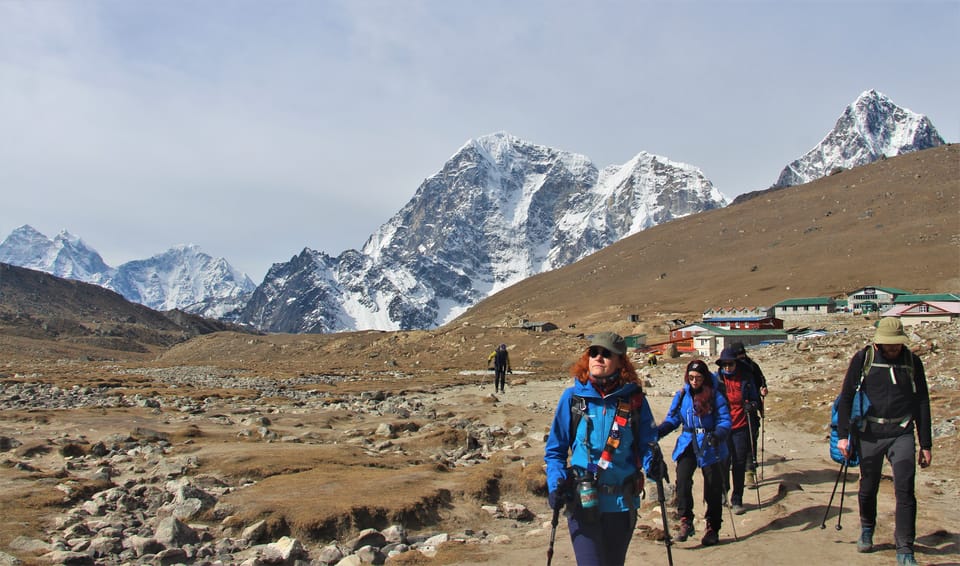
(65, 255)
(871, 128)
(500, 210)
(182, 278)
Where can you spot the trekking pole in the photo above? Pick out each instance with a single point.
(667, 539)
(763, 434)
(553, 531)
(843, 491)
(753, 452)
(843, 487)
(733, 523)
(842, 472)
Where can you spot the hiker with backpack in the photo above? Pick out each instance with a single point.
(892, 379)
(604, 427)
(736, 382)
(501, 367)
(760, 384)
(701, 410)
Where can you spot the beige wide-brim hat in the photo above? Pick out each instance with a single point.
(890, 331)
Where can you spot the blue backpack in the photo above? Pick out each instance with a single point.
(858, 413)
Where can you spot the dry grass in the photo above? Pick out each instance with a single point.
(335, 499)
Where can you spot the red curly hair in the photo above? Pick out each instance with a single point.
(581, 369)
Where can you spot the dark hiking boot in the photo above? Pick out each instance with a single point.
(686, 530)
(906, 559)
(710, 537)
(865, 542)
(738, 509)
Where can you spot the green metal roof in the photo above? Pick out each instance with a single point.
(809, 301)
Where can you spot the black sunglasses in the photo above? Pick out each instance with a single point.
(727, 364)
(595, 351)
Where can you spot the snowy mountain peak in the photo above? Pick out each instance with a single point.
(499, 210)
(64, 256)
(870, 128)
(181, 278)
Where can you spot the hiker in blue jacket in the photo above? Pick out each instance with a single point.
(604, 425)
(701, 410)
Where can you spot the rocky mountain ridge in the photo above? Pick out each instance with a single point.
(500, 210)
(183, 277)
(871, 128)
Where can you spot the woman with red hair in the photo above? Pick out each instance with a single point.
(598, 448)
(701, 409)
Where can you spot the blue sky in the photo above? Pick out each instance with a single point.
(254, 129)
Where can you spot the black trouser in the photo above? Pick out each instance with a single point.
(901, 452)
(499, 379)
(712, 488)
(736, 464)
(755, 423)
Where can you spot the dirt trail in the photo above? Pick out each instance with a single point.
(798, 478)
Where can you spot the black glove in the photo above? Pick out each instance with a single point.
(657, 467)
(715, 441)
(662, 430)
(751, 406)
(560, 496)
(554, 499)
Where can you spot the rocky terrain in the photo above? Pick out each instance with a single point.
(373, 447)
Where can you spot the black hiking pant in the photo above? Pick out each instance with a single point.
(901, 452)
(712, 488)
(738, 442)
(499, 379)
(755, 447)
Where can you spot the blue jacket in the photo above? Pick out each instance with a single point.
(695, 428)
(582, 450)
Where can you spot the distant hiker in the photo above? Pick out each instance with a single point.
(760, 384)
(500, 359)
(899, 403)
(742, 398)
(702, 411)
(604, 426)
(652, 359)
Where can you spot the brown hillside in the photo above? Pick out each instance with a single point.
(42, 316)
(893, 223)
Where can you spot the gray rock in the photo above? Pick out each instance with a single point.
(255, 532)
(394, 534)
(104, 546)
(171, 533)
(142, 545)
(289, 548)
(30, 545)
(352, 560)
(330, 554)
(370, 555)
(367, 537)
(70, 558)
(171, 556)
